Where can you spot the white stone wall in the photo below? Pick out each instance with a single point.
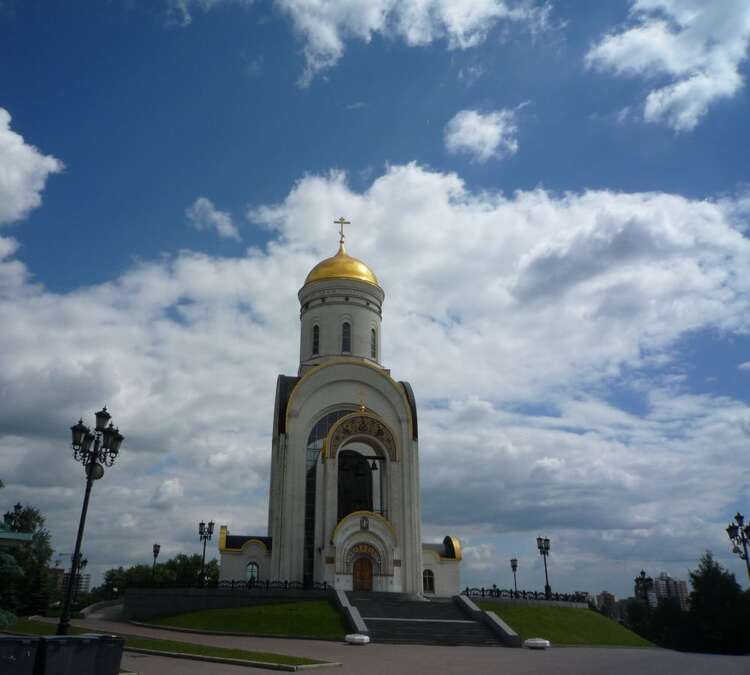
(339, 382)
(330, 303)
(446, 571)
(233, 564)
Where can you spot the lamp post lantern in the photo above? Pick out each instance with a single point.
(739, 535)
(156, 550)
(542, 544)
(514, 567)
(204, 533)
(95, 451)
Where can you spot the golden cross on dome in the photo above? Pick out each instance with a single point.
(362, 406)
(341, 222)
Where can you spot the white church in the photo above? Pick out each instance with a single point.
(344, 503)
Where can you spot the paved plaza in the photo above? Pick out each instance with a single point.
(376, 659)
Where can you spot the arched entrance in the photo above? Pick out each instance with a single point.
(355, 483)
(362, 574)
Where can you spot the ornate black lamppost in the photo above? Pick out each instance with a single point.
(514, 567)
(204, 532)
(739, 535)
(157, 548)
(94, 451)
(543, 546)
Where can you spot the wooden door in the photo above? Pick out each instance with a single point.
(362, 574)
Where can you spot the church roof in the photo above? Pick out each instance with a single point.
(237, 541)
(449, 549)
(342, 266)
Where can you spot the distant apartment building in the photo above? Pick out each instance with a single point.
(61, 578)
(606, 603)
(665, 587)
(83, 582)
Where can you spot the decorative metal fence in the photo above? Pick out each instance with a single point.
(251, 585)
(495, 592)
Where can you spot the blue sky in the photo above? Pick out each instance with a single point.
(555, 200)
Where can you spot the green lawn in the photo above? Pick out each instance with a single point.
(311, 619)
(26, 627)
(564, 625)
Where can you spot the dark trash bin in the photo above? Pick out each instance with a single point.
(66, 655)
(17, 654)
(108, 653)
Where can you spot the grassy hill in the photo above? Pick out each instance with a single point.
(565, 625)
(312, 619)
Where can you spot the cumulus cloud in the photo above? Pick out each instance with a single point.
(690, 50)
(203, 215)
(744, 366)
(511, 315)
(483, 136)
(23, 173)
(324, 27)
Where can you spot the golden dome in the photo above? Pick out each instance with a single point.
(342, 266)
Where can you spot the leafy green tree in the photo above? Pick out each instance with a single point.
(719, 610)
(638, 618)
(669, 626)
(9, 572)
(29, 592)
(182, 570)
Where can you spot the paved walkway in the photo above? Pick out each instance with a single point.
(377, 659)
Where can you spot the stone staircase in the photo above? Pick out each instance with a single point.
(395, 618)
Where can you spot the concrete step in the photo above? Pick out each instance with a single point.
(431, 633)
(396, 618)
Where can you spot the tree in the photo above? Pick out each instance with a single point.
(719, 610)
(28, 593)
(181, 571)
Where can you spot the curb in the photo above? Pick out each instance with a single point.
(268, 665)
(199, 631)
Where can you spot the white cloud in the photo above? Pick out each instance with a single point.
(483, 135)
(203, 215)
(166, 495)
(744, 366)
(696, 47)
(510, 315)
(325, 26)
(23, 173)
(471, 74)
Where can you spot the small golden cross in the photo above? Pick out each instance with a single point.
(341, 222)
(362, 406)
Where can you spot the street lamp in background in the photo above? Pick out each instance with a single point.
(739, 535)
(204, 532)
(543, 546)
(95, 451)
(514, 567)
(157, 548)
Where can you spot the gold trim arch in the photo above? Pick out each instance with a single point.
(360, 425)
(354, 361)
